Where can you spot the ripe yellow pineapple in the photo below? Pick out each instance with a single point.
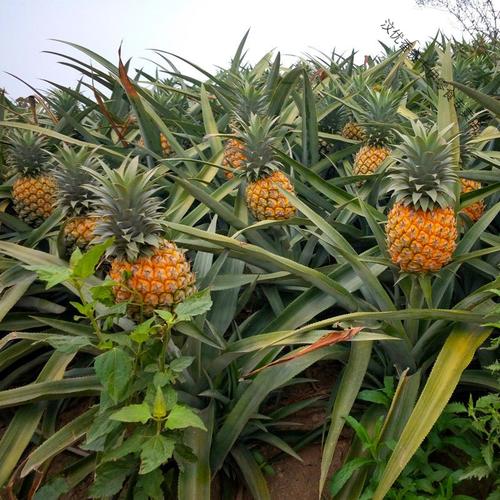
(421, 226)
(150, 272)
(378, 112)
(73, 197)
(234, 156)
(476, 210)
(34, 191)
(264, 177)
(265, 200)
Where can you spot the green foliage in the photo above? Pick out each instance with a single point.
(463, 444)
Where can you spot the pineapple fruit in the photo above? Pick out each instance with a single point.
(166, 148)
(377, 114)
(73, 197)
(475, 210)
(34, 191)
(150, 272)
(353, 131)
(263, 197)
(234, 156)
(421, 227)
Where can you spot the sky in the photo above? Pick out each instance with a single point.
(205, 32)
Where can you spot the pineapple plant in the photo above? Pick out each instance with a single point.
(377, 114)
(421, 226)
(248, 97)
(150, 272)
(263, 172)
(73, 197)
(34, 191)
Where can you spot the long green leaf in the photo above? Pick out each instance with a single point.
(352, 378)
(454, 357)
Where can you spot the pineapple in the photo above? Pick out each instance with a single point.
(476, 210)
(353, 131)
(248, 97)
(149, 271)
(467, 149)
(34, 191)
(421, 226)
(377, 114)
(73, 197)
(234, 156)
(263, 173)
(166, 148)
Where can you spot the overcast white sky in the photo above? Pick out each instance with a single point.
(204, 31)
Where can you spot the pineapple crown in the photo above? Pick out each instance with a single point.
(128, 209)
(27, 153)
(249, 97)
(377, 112)
(335, 119)
(71, 174)
(259, 136)
(423, 174)
(63, 101)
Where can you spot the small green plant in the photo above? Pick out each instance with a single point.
(138, 425)
(464, 444)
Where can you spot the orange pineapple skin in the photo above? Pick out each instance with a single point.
(157, 281)
(369, 158)
(418, 241)
(34, 198)
(166, 148)
(353, 131)
(165, 145)
(79, 231)
(265, 200)
(234, 156)
(476, 210)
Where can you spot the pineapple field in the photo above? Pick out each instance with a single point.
(270, 281)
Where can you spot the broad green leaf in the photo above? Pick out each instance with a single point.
(52, 275)
(86, 264)
(180, 364)
(181, 417)
(155, 452)
(132, 413)
(142, 332)
(148, 486)
(110, 477)
(194, 305)
(67, 344)
(114, 370)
